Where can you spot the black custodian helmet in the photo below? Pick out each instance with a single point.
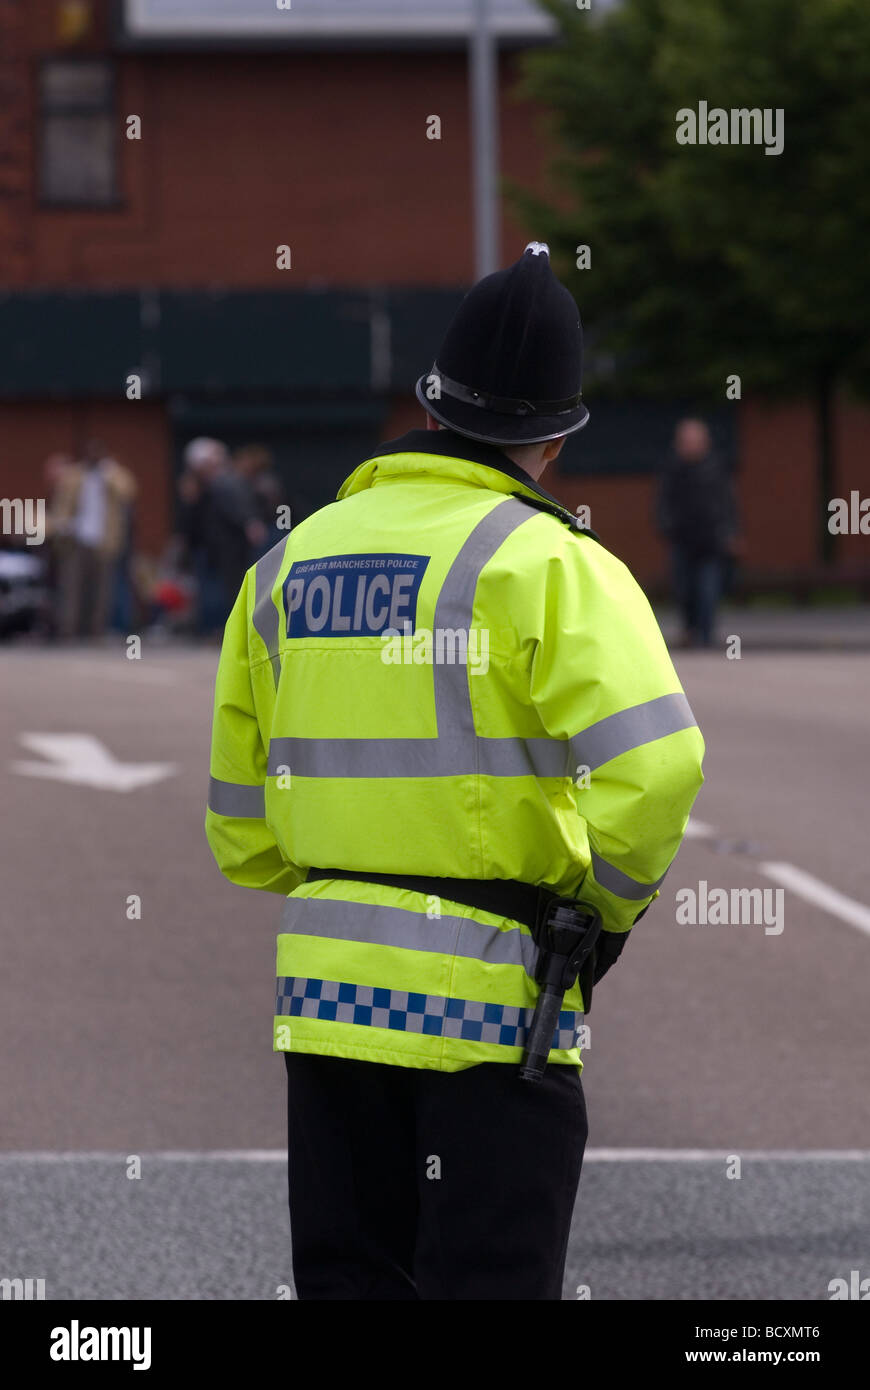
(510, 367)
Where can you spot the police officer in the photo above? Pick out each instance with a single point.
(440, 702)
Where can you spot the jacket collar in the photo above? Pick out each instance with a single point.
(446, 447)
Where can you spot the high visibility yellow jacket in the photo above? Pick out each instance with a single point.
(434, 676)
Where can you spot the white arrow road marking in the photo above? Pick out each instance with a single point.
(815, 891)
(82, 759)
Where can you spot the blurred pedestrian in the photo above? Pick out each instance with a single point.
(220, 523)
(124, 601)
(203, 459)
(90, 521)
(53, 471)
(697, 516)
(255, 466)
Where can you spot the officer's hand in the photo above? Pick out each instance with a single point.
(608, 949)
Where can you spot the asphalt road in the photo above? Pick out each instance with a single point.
(131, 1036)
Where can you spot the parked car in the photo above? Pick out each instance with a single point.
(23, 592)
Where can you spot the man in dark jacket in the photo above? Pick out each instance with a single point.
(697, 515)
(218, 519)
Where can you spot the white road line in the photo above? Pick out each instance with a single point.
(165, 1155)
(592, 1155)
(813, 890)
(699, 830)
(720, 1155)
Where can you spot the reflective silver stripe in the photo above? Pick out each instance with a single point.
(630, 728)
(234, 799)
(381, 925)
(418, 757)
(454, 610)
(615, 881)
(266, 616)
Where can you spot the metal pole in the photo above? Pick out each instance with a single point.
(483, 78)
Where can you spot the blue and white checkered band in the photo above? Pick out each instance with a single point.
(466, 1019)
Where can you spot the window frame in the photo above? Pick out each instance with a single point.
(44, 202)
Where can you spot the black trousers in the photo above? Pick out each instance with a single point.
(414, 1184)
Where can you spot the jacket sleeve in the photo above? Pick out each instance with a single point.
(602, 678)
(241, 841)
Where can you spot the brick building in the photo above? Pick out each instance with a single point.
(157, 257)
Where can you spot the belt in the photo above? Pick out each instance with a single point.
(505, 897)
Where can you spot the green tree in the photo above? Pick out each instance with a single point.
(713, 259)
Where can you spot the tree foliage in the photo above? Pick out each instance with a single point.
(712, 259)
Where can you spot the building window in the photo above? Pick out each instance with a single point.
(78, 162)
